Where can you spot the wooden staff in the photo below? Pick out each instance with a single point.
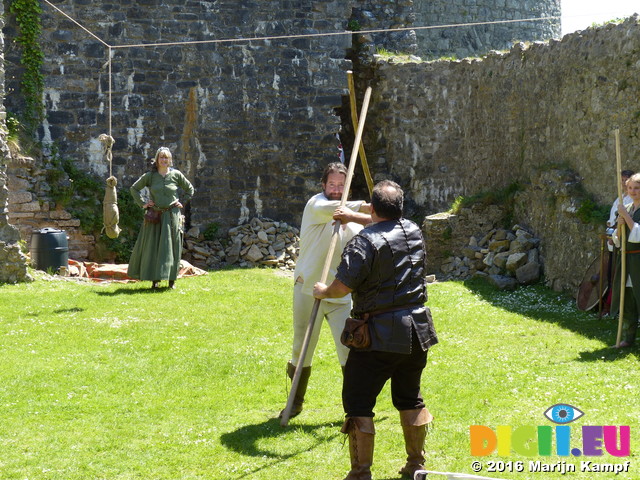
(354, 120)
(603, 241)
(622, 234)
(286, 413)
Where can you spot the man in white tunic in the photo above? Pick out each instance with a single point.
(318, 218)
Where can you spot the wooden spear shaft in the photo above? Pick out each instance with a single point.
(295, 381)
(603, 240)
(622, 234)
(354, 120)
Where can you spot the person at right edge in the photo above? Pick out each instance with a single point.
(629, 218)
(383, 267)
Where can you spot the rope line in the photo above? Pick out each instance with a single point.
(78, 24)
(330, 34)
(110, 88)
(107, 144)
(302, 35)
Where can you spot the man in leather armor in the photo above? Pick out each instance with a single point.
(383, 267)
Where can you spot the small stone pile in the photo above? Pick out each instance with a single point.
(258, 242)
(506, 258)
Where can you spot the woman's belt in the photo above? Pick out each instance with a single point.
(162, 210)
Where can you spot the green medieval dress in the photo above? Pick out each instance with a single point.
(156, 254)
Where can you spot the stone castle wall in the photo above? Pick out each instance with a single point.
(13, 264)
(449, 128)
(253, 123)
(250, 123)
(478, 40)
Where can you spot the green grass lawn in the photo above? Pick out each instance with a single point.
(120, 382)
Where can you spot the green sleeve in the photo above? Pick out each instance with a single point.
(143, 181)
(186, 186)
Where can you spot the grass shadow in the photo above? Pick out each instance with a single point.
(68, 310)
(131, 291)
(245, 440)
(545, 305)
(608, 354)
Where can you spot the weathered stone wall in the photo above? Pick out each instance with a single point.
(13, 264)
(383, 15)
(444, 129)
(460, 41)
(31, 208)
(480, 39)
(251, 124)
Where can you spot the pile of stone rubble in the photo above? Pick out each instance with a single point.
(506, 258)
(258, 242)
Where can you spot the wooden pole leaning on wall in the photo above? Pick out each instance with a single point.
(622, 234)
(354, 121)
(295, 381)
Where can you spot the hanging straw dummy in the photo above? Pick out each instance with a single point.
(110, 212)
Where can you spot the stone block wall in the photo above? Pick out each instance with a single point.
(31, 208)
(448, 128)
(250, 123)
(477, 40)
(13, 263)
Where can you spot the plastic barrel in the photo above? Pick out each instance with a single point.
(49, 249)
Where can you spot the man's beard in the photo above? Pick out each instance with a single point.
(333, 196)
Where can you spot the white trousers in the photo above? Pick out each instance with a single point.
(334, 313)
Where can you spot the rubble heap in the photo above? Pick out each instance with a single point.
(258, 242)
(506, 258)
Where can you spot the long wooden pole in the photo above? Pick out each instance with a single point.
(354, 121)
(286, 413)
(603, 241)
(622, 234)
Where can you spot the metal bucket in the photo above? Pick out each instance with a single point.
(49, 249)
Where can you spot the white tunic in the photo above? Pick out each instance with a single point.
(315, 238)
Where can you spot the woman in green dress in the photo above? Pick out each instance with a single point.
(156, 254)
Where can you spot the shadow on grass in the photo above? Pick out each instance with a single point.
(608, 354)
(132, 291)
(69, 310)
(245, 440)
(545, 305)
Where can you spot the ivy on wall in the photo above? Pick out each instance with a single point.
(27, 13)
(81, 194)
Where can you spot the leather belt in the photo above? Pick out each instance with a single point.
(368, 315)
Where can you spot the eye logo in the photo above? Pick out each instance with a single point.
(562, 413)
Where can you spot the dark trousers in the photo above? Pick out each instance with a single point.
(366, 373)
(630, 316)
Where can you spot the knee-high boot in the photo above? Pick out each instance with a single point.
(361, 436)
(298, 398)
(414, 427)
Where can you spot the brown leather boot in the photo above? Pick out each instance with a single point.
(414, 427)
(298, 398)
(361, 436)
